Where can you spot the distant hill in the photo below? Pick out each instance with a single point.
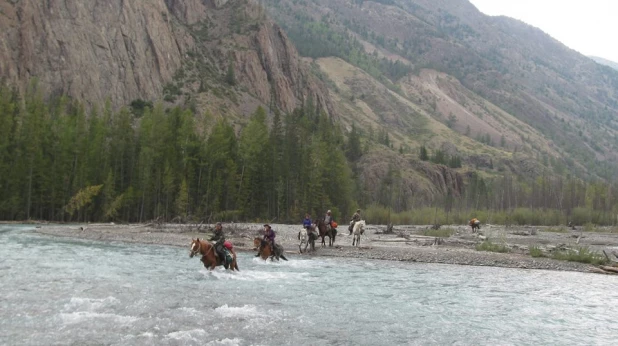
(501, 94)
(605, 62)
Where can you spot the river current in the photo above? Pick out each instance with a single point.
(76, 292)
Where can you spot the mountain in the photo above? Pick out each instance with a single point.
(429, 99)
(605, 62)
(128, 50)
(504, 89)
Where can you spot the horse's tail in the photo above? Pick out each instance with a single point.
(236, 266)
(283, 256)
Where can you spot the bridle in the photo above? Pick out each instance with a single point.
(199, 249)
(196, 251)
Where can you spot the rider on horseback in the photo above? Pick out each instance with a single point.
(269, 236)
(307, 224)
(328, 219)
(355, 218)
(219, 238)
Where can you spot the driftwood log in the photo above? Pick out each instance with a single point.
(610, 269)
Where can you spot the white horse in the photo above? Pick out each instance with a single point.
(306, 240)
(359, 228)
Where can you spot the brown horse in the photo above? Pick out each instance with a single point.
(325, 231)
(209, 255)
(265, 251)
(475, 224)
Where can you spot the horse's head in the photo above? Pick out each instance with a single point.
(257, 241)
(195, 248)
(360, 226)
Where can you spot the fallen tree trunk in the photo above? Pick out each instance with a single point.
(610, 269)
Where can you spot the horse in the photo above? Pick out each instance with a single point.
(325, 231)
(307, 238)
(475, 224)
(359, 228)
(265, 252)
(209, 255)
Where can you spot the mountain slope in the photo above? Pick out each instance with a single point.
(501, 81)
(605, 62)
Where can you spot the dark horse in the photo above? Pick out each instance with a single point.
(325, 231)
(265, 252)
(209, 256)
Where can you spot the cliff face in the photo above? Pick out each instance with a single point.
(125, 50)
(91, 50)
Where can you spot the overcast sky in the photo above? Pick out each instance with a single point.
(588, 26)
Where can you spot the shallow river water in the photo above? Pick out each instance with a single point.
(74, 292)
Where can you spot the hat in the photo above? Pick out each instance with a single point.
(218, 224)
(267, 225)
(328, 211)
(358, 210)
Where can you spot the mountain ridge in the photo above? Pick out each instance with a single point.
(486, 97)
(605, 62)
(558, 93)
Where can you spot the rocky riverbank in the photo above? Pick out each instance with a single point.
(405, 243)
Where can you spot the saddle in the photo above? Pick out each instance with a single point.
(228, 258)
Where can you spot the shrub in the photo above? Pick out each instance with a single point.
(488, 246)
(582, 255)
(442, 232)
(535, 251)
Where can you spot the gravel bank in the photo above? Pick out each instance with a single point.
(407, 243)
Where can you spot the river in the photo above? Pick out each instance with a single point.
(76, 292)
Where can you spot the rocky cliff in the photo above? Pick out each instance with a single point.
(125, 50)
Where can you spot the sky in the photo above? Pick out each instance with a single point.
(588, 26)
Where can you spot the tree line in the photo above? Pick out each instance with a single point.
(62, 162)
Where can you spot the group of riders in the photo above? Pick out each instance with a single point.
(269, 234)
(330, 222)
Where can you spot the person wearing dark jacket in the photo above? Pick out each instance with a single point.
(269, 236)
(219, 238)
(355, 218)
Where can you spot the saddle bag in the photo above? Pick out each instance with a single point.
(228, 257)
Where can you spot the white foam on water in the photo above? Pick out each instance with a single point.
(147, 335)
(226, 341)
(190, 311)
(87, 316)
(245, 311)
(187, 335)
(292, 263)
(249, 275)
(89, 304)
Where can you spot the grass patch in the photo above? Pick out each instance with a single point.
(582, 255)
(560, 229)
(442, 232)
(491, 247)
(590, 227)
(535, 251)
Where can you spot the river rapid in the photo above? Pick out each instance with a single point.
(77, 292)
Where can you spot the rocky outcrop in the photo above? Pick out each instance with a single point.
(91, 50)
(444, 179)
(125, 50)
(272, 68)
